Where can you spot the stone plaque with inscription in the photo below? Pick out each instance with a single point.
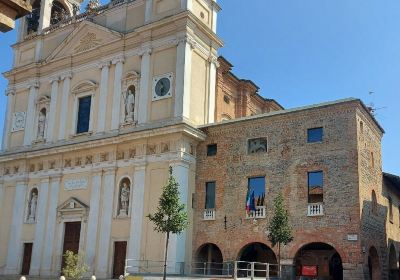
(76, 184)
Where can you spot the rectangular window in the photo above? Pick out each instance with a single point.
(390, 210)
(210, 195)
(83, 114)
(314, 135)
(256, 191)
(315, 187)
(211, 150)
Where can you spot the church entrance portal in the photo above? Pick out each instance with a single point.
(71, 238)
(119, 258)
(26, 261)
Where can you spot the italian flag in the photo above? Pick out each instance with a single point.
(250, 201)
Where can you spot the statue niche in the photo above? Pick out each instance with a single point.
(129, 100)
(123, 198)
(32, 206)
(41, 124)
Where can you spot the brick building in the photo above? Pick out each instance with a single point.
(326, 160)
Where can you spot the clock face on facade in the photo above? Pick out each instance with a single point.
(162, 86)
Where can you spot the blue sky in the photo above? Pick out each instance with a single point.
(306, 52)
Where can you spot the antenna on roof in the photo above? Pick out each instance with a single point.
(372, 108)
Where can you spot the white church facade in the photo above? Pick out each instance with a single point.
(99, 105)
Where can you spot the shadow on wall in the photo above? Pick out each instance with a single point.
(381, 254)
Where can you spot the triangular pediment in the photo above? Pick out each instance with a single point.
(72, 208)
(88, 36)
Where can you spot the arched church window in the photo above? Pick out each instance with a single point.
(32, 19)
(32, 205)
(41, 123)
(124, 197)
(129, 100)
(58, 13)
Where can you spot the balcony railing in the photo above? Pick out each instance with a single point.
(315, 209)
(259, 213)
(209, 214)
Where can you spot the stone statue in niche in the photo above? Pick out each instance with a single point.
(258, 145)
(130, 104)
(32, 207)
(124, 199)
(41, 123)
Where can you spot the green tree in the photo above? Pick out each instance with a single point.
(280, 231)
(171, 216)
(74, 267)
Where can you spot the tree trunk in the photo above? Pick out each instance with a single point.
(165, 257)
(279, 259)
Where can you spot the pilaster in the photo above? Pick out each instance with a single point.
(148, 11)
(30, 115)
(116, 108)
(93, 220)
(135, 233)
(212, 88)
(183, 77)
(53, 106)
(45, 13)
(50, 226)
(105, 227)
(40, 227)
(66, 78)
(10, 93)
(14, 244)
(101, 115)
(177, 247)
(144, 85)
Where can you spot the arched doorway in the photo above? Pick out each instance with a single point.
(209, 260)
(373, 264)
(393, 270)
(260, 254)
(319, 260)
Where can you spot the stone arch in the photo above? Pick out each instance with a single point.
(59, 12)
(318, 259)
(124, 197)
(260, 253)
(209, 260)
(374, 268)
(393, 269)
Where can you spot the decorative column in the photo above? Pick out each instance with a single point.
(148, 11)
(30, 115)
(10, 93)
(116, 108)
(93, 220)
(144, 85)
(50, 226)
(183, 77)
(211, 88)
(105, 227)
(40, 227)
(177, 246)
(14, 242)
(101, 115)
(53, 108)
(135, 233)
(64, 106)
